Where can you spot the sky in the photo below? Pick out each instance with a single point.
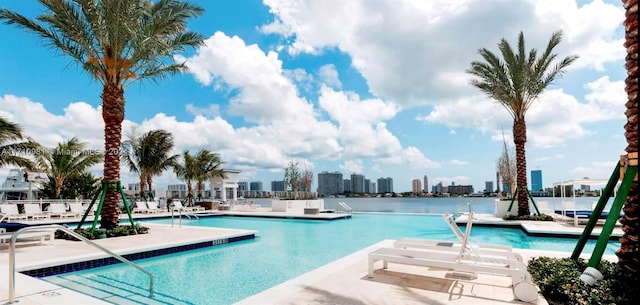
(373, 87)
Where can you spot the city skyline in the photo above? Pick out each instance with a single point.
(279, 81)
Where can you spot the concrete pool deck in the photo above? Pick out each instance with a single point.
(343, 281)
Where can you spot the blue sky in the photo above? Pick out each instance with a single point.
(371, 87)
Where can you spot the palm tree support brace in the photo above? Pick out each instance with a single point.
(107, 186)
(627, 170)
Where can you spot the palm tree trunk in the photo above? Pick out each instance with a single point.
(628, 254)
(142, 185)
(113, 115)
(149, 183)
(519, 139)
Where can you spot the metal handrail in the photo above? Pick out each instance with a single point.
(345, 206)
(12, 256)
(188, 215)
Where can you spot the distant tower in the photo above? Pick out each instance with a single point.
(415, 186)
(426, 184)
(536, 180)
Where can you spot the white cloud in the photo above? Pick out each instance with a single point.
(458, 162)
(552, 120)
(352, 167)
(415, 52)
(211, 111)
(329, 76)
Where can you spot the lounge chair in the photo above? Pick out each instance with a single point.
(76, 209)
(177, 206)
(59, 210)
(10, 212)
(152, 207)
(44, 235)
(466, 260)
(492, 250)
(141, 207)
(33, 211)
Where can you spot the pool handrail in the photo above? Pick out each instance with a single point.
(12, 256)
(343, 205)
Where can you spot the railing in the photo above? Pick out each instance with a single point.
(12, 256)
(341, 206)
(188, 215)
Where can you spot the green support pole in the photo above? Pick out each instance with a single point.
(516, 196)
(105, 189)
(126, 205)
(593, 219)
(86, 213)
(614, 214)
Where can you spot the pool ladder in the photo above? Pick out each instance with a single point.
(188, 215)
(341, 206)
(12, 256)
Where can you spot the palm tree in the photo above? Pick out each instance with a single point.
(516, 81)
(117, 42)
(186, 170)
(628, 252)
(148, 155)
(208, 166)
(14, 150)
(68, 159)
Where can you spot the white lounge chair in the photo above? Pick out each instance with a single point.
(33, 211)
(152, 207)
(76, 209)
(44, 235)
(493, 250)
(10, 212)
(467, 260)
(177, 206)
(59, 210)
(141, 207)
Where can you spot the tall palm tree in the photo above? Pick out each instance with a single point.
(67, 159)
(208, 166)
(148, 155)
(516, 81)
(15, 148)
(186, 169)
(628, 254)
(117, 42)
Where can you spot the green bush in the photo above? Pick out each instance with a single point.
(122, 230)
(541, 217)
(559, 282)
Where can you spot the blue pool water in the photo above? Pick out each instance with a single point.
(286, 248)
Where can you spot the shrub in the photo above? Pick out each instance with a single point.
(559, 282)
(122, 230)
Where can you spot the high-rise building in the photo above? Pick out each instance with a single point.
(255, 186)
(488, 186)
(330, 184)
(536, 180)
(416, 186)
(437, 189)
(278, 186)
(357, 183)
(243, 186)
(385, 185)
(426, 183)
(367, 185)
(346, 185)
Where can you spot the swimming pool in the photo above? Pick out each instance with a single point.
(284, 249)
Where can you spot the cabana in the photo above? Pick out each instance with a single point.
(569, 210)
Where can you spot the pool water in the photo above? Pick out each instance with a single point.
(286, 248)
